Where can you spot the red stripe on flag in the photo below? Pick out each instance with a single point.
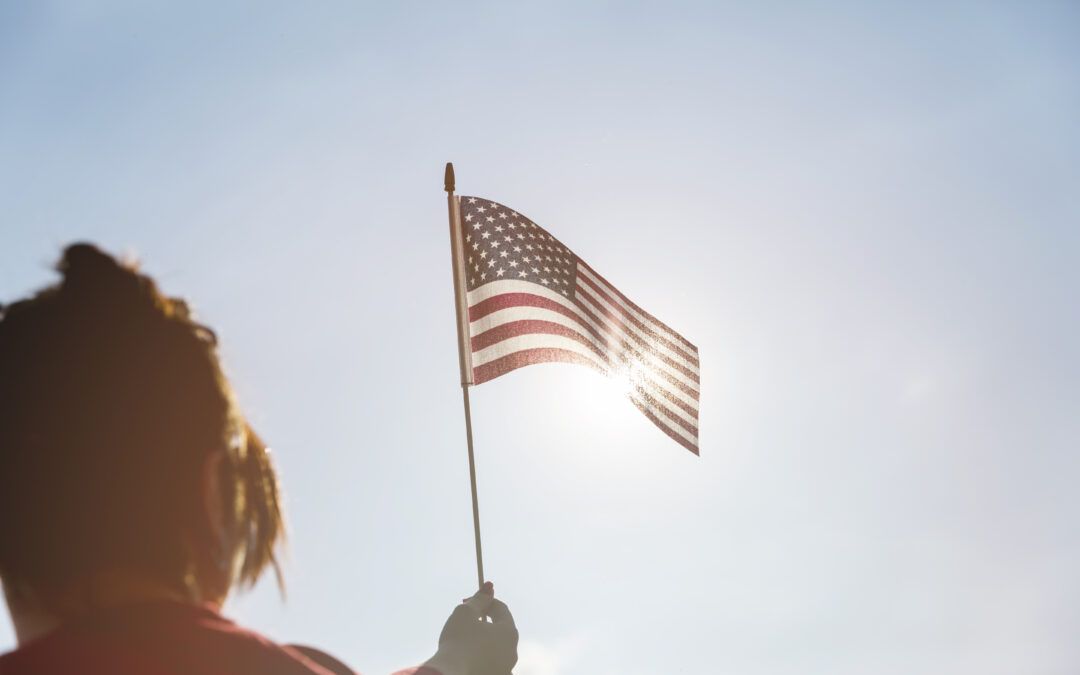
(664, 426)
(645, 396)
(532, 327)
(672, 400)
(510, 300)
(633, 351)
(536, 326)
(687, 344)
(507, 300)
(633, 320)
(503, 365)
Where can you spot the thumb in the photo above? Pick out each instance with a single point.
(481, 600)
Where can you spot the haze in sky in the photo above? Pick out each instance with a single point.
(863, 214)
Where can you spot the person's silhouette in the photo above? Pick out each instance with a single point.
(134, 496)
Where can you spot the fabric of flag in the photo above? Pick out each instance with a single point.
(531, 300)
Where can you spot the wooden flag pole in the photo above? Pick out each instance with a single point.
(472, 482)
(464, 352)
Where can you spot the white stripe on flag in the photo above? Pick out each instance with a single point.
(639, 334)
(645, 347)
(493, 288)
(666, 418)
(512, 314)
(534, 341)
(617, 351)
(653, 388)
(658, 327)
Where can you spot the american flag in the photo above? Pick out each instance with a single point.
(531, 300)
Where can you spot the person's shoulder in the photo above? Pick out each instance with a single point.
(163, 639)
(70, 654)
(336, 667)
(322, 659)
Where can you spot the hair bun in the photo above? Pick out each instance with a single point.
(84, 261)
(91, 275)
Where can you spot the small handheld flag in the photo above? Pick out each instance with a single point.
(531, 300)
(522, 297)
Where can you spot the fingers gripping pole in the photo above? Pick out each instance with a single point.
(464, 351)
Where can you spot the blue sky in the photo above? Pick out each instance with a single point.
(864, 215)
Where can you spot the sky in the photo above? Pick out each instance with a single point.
(864, 215)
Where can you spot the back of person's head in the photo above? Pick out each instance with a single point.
(113, 407)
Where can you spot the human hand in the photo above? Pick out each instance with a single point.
(469, 645)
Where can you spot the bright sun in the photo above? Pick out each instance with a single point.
(602, 409)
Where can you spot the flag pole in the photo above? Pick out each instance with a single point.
(464, 351)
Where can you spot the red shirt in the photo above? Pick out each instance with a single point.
(167, 638)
